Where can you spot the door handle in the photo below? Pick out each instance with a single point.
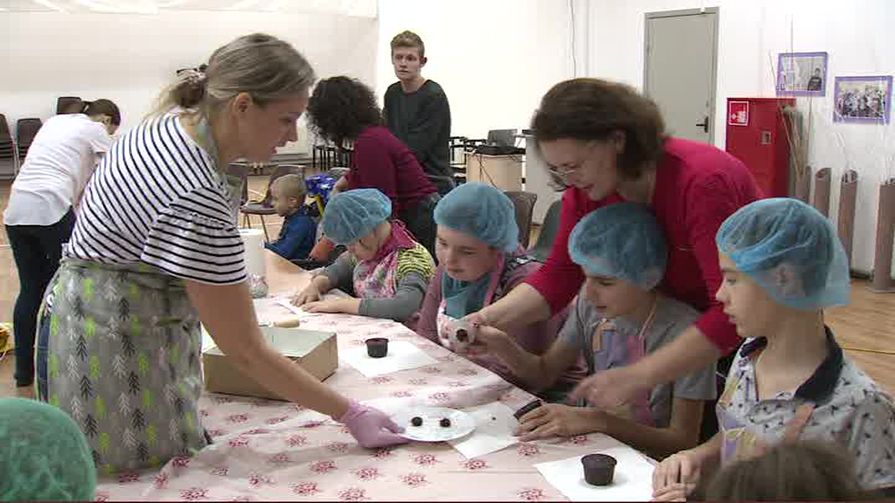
(704, 124)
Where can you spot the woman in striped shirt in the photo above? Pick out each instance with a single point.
(156, 250)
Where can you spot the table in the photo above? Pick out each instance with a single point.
(277, 450)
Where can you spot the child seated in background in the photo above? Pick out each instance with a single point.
(479, 260)
(385, 269)
(618, 317)
(299, 231)
(783, 264)
(45, 456)
(802, 471)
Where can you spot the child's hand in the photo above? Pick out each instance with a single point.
(343, 305)
(309, 294)
(674, 492)
(489, 340)
(681, 469)
(555, 419)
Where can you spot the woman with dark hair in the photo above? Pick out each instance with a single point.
(607, 143)
(40, 215)
(344, 109)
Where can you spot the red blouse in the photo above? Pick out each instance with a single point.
(697, 187)
(382, 162)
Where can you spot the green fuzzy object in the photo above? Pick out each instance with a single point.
(43, 454)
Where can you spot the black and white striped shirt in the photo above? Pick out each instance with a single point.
(157, 198)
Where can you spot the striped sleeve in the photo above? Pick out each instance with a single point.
(194, 238)
(415, 260)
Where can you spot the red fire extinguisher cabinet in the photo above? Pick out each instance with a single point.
(757, 135)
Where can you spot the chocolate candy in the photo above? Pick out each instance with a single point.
(598, 469)
(377, 347)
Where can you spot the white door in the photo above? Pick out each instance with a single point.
(679, 70)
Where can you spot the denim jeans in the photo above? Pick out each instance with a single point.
(37, 250)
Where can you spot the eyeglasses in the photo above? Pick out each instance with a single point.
(563, 173)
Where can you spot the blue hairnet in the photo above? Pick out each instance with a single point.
(767, 234)
(352, 215)
(481, 211)
(622, 240)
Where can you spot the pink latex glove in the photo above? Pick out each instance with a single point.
(371, 427)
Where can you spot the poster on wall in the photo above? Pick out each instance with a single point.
(737, 113)
(863, 99)
(801, 74)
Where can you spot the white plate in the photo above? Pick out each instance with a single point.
(462, 424)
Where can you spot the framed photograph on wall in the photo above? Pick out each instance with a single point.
(801, 74)
(863, 99)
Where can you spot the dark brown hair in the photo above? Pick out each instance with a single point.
(593, 109)
(342, 107)
(408, 38)
(102, 107)
(789, 472)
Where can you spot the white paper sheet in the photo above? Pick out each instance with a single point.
(402, 355)
(490, 435)
(270, 310)
(633, 480)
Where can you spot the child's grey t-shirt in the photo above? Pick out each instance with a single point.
(671, 319)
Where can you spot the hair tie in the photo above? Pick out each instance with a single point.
(194, 76)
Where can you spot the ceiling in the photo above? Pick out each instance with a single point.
(361, 8)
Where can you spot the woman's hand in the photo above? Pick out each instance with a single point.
(554, 419)
(681, 470)
(371, 427)
(610, 388)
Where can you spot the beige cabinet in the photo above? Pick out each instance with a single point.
(501, 171)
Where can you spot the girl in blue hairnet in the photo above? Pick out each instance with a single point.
(385, 268)
(480, 259)
(618, 318)
(783, 264)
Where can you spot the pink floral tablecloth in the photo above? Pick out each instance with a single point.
(269, 450)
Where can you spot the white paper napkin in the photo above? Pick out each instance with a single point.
(633, 480)
(402, 355)
(494, 424)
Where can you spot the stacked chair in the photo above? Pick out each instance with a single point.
(68, 105)
(9, 160)
(26, 130)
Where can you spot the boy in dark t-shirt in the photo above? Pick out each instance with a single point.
(417, 110)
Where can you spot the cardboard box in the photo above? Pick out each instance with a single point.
(316, 352)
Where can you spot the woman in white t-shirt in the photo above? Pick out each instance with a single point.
(40, 216)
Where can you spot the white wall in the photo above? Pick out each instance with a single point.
(494, 58)
(129, 58)
(858, 37)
